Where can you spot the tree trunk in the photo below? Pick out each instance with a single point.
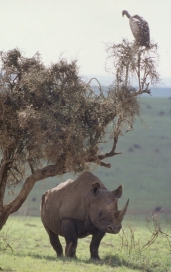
(3, 218)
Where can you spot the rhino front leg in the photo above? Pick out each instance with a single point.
(95, 242)
(69, 232)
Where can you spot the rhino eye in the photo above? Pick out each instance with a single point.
(100, 214)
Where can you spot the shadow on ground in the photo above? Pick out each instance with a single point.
(108, 260)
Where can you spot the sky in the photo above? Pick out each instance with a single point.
(80, 29)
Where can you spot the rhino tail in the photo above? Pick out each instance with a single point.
(43, 201)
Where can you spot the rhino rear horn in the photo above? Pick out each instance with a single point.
(116, 204)
(118, 192)
(95, 188)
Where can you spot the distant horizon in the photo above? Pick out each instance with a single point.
(161, 90)
(106, 80)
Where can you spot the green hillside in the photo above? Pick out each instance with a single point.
(144, 167)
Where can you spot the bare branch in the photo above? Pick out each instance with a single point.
(100, 88)
(143, 91)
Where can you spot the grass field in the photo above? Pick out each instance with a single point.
(144, 168)
(25, 247)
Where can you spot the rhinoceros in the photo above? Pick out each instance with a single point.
(77, 208)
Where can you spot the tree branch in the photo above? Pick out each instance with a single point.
(107, 165)
(97, 159)
(40, 174)
(112, 152)
(100, 88)
(143, 91)
(115, 140)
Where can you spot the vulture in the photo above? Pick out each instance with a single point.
(139, 28)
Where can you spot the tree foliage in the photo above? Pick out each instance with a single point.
(131, 63)
(52, 121)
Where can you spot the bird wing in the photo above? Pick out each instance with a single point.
(140, 29)
(135, 26)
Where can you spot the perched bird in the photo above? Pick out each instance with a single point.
(139, 28)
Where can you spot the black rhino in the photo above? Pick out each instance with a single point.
(76, 209)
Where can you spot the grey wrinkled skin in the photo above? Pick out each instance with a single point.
(76, 209)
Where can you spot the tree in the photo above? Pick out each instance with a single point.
(52, 122)
(131, 62)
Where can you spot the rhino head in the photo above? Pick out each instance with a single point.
(104, 212)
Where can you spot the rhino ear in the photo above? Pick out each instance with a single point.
(118, 192)
(95, 188)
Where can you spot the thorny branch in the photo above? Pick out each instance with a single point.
(100, 87)
(156, 232)
(133, 63)
(134, 244)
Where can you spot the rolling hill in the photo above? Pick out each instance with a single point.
(144, 167)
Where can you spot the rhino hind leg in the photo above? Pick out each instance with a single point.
(95, 242)
(54, 240)
(69, 232)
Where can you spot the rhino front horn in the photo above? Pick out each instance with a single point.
(123, 211)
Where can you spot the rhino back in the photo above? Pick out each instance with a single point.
(68, 200)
